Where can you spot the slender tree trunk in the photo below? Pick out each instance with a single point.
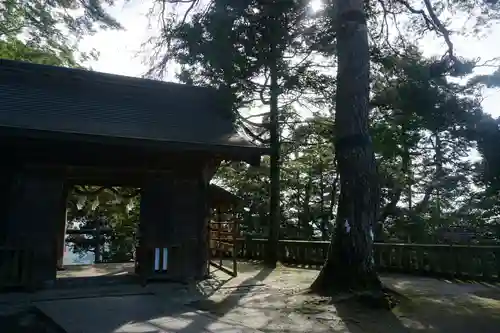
(406, 163)
(439, 176)
(305, 215)
(297, 202)
(323, 214)
(275, 212)
(350, 266)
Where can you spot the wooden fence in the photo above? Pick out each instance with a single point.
(474, 262)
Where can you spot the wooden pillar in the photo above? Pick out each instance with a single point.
(6, 182)
(155, 229)
(61, 242)
(190, 212)
(173, 217)
(32, 222)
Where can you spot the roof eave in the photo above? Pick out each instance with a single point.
(247, 153)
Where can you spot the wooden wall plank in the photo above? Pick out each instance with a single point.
(32, 222)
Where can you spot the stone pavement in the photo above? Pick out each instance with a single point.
(261, 299)
(133, 313)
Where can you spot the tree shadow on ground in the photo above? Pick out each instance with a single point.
(232, 299)
(432, 306)
(357, 317)
(27, 321)
(159, 312)
(466, 313)
(461, 314)
(244, 266)
(214, 310)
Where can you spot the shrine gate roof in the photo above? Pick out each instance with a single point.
(47, 101)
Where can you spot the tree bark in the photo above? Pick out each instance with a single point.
(305, 215)
(439, 176)
(350, 266)
(271, 258)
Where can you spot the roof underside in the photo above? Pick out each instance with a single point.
(220, 196)
(68, 101)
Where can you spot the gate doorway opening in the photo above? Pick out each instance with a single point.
(99, 237)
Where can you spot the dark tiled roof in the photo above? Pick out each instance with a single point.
(72, 101)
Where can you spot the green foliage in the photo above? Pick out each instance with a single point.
(100, 208)
(227, 46)
(15, 49)
(424, 125)
(47, 32)
(53, 25)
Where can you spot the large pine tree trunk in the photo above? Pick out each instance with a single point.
(349, 266)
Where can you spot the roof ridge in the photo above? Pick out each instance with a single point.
(84, 74)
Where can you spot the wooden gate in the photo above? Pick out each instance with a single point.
(222, 243)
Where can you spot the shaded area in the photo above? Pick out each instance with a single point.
(232, 299)
(161, 311)
(137, 313)
(76, 276)
(423, 314)
(28, 321)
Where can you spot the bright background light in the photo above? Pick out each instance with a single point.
(316, 5)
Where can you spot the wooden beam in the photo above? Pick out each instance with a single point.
(111, 176)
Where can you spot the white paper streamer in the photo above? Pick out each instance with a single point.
(165, 259)
(157, 259)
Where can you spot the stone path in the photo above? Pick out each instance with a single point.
(264, 300)
(133, 313)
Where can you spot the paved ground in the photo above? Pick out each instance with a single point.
(432, 306)
(133, 313)
(76, 271)
(263, 300)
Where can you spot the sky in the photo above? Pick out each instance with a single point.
(119, 49)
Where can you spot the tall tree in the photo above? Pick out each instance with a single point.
(350, 265)
(274, 56)
(250, 50)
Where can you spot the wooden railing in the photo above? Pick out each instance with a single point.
(14, 268)
(473, 262)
